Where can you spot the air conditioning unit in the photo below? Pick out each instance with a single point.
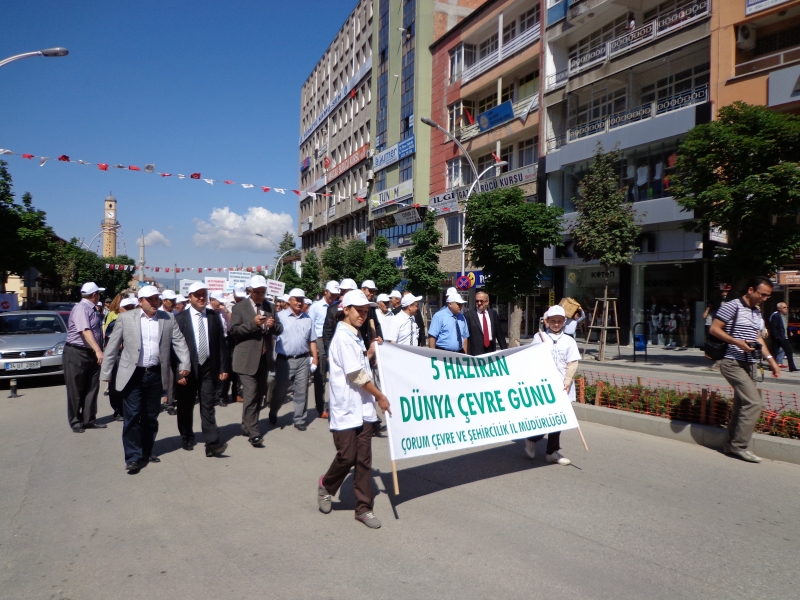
(370, 175)
(746, 37)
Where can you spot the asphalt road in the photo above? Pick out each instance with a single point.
(636, 517)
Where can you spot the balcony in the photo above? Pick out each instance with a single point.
(768, 62)
(663, 25)
(522, 41)
(520, 107)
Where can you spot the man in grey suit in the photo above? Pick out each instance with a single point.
(148, 336)
(253, 326)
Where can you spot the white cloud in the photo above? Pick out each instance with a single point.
(154, 238)
(227, 230)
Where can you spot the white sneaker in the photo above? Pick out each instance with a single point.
(556, 458)
(530, 448)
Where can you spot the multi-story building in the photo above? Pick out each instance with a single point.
(335, 136)
(486, 95)
(632, 75)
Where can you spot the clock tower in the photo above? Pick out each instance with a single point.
(109, 226)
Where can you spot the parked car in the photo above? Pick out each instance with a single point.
(60, 306)
(31, 343)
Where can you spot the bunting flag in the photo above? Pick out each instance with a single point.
(28, 156)
(102, 166)
(63, 158)
(166, 174)
(195, 175)
(42, 160)
(280, 190)
(228, 181)
(149, 168)
(209, 181)
(247, 185)
(265, 188)
(133, 168)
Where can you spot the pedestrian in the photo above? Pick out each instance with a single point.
(106, 308)
(396, 297)
(318, 311)
(253, 327)
(738, 324)
(294, 345)
(168, 298)
(216, 301)
(402, 329)
(371, 329)
(332, 316)
(231, 384)
(83, 356)
(483, 322)
(114, 395)
(565, 354)
(307, 302)
(384, 310)
(352, 410)
(577, 318)
(113, 311)
(422, 341)
(708, 316)
(777, 331)
(141, 344)
(180, 304)
(448, 329)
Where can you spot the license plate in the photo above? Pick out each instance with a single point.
(23, 366)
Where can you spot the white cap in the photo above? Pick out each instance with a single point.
(128, 302)
(556, 311)
(451, 290)
(99, 304)
(356, 298)
(333, 287)
(239, 291)
(270, 297)
(284, 298)
(180, 298)
(308, 301)
(258, 281)
(218, 296)
(296, 293)
(454, 297)
(196, 287)
(383, 298)
(348, 284)
(147, 291)
(168, 295)
(369, 284)
(409, 299)
(91, 288)
(395, 294)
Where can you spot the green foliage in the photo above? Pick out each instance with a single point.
(71, 266)
(290, 277)
(741, 173)
(355, 257)
(421, 261)
(606, 227)
(25, 235)
(505, 236)
(333, 259)
(379, 267)
(310, 281)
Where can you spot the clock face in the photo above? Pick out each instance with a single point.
(110, 215)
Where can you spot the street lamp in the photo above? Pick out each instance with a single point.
(275, 274)
(45, 52)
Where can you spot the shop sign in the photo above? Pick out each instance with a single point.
(449, 200)
(789, 277)
(362, 193)
(351, 161)
(399, 151)
(305, 164)
(392, 195)
(470, 279)
(406, 217)
(754, 6)
(717, 234)
(496, 116)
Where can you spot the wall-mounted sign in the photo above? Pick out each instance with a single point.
(305, 164)
(391, 155)
(717, 234)
(754, 6)
(406, 217)
(305, 225)
(448, 202)
(349, 162)
(392, 195)
(496, 116)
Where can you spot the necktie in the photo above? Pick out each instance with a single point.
(458, 334)
(202, 342)
(486, 339)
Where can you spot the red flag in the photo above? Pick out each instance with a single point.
(327, 162)
(415, 205)
(249, 269)
(177, 269)
(133, 168)
(195, 175)
(469, 117)
(102, 166)
(361, 199)
(296, 192)
(166, 270)
(63, 158)
(166, 174)
(495, 157)
(228, 181)
(353, 93)
(200, 270)
(158, 269)
(266, 189)
(28, 156)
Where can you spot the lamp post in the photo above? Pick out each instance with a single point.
(45, 52)
(275, 273)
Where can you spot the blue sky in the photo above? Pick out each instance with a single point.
(201, 86)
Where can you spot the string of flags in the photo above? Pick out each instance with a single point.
(252, 269)
(151, 168)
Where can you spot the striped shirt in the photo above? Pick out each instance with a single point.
(747, 327)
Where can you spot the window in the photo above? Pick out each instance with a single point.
(452, 228)
(406, 168)
(527, 153)
(456, 114)
(380, 180)
(507, 154)
(459, 173)
(509, 32)
(528, 85)
(456, 62)
(398, 235)
(484, 162)
(775, 42)
(675, 84)
(507, 93)
(598, 107)
(600, 36)
(529, 19)
(487, 103)
(487, 47)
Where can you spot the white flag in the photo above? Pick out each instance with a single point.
(209, 181)
(312, 194)
(534, 102)
(181, 176)
(83, 162)
(279, 190)
(4, 151)
(42, 160)
(247, 185)
(149, 168)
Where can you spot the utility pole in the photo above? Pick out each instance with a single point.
(141, 260)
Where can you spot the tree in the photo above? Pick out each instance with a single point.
(71, 266)
(355, 254)
(290, 277)
(333, 259)
(379, 267)
(741, 173)
(606, 228)
(310, 280)
(506, 235)
(421, 261)
(25, 235)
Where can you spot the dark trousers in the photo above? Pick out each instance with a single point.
(320, 377)
(186, 396)
(82, 376)
(353, 449)
(553, 441)
(114, 397)
(254, 389)
(141, 403)
(231, 384)
(787, 350)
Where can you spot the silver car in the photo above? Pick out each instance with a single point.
(31, 343)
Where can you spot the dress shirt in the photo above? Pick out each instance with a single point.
(193, 313)
(149, 353)
(486, 312)
(443, 328)
(298, 333)
(402, 329)
(318, 312)
(82, 317)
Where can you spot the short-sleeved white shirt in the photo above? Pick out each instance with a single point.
(349, 404)
(402, 329)
(564, 350)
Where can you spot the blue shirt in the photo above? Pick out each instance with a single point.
(318, 312)
(443, 328)
(298, 332)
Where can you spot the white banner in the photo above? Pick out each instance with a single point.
(275, 287)
(443, 401)
(216, 284)
(235, 277)
(185, 283)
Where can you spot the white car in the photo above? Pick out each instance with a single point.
(31, 343)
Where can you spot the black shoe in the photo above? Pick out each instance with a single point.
(187, 444)
(96, 425)
(222, 403)
(273, 419)
(301, 427)
(119, 418)
(105, 393)
(257, 442)
(216, 450)
(172, 411)
(132, 466)
(153, 459)
(78, 429)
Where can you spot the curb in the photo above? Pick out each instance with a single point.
(765, 446)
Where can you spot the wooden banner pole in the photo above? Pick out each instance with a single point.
(394, 476)
(582, 438)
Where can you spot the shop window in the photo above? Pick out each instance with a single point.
(452, 226)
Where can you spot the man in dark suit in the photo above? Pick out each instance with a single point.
(253, 327)
(485, 334)
(777, 331)
(202, 329)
